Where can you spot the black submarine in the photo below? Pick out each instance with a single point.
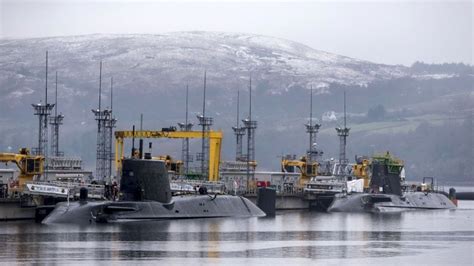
(389, 193)
(146, 195)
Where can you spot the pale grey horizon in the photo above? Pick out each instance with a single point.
(381, 32)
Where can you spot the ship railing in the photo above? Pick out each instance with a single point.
(94, 191)
(186, 186)
(73, 189)
(420, 187)
(55, 162)
(283, 191)
(323, 190)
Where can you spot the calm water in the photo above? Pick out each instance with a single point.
(290, 238)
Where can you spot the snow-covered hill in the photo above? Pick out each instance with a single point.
(158, 62)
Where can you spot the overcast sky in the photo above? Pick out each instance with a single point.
(384, 32)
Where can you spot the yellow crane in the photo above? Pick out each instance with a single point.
(175, 166)
(215, 143)
(362, 168)
(29, 165)
(306, 169)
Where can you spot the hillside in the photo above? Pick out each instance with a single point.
(151, 71)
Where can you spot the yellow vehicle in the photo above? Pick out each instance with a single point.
(29, 165)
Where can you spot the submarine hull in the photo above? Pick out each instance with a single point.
(146, 195)
(365, 202)
(181, 207)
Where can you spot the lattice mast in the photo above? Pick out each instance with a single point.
(43, 110)
(343, 133)
(239, 133)
(251, 126)
(186, 126)
(109, 125)
(101, 117)
(206, 123)
(55, 121)
(312, 129)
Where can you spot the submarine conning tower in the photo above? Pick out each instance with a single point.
(144, 180)
(386, 172)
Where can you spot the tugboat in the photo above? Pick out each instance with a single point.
(146, 195)
(385, 190)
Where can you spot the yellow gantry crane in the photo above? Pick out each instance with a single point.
(29, 165)
(215, 143)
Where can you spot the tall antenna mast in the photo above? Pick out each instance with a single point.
(250, 98)
(104, 122)
(43, 111)
(313, 154)
(55, 121)
(45, 126)
(56, 97)
(238, 105)
(250, 125)
(343, 133)
(110, 122)
(204, 96)
(203, 144)
(111, 94)
(311, 122)
(186, 126)
(206, 123)
(311, 107)
(46, 85)
(187, 95)
(239, 132)
(345, 109)
(100, 86)
(249, 135)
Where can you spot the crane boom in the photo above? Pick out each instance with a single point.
(29, 165)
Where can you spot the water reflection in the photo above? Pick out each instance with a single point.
(287, 236)
(214, 240)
